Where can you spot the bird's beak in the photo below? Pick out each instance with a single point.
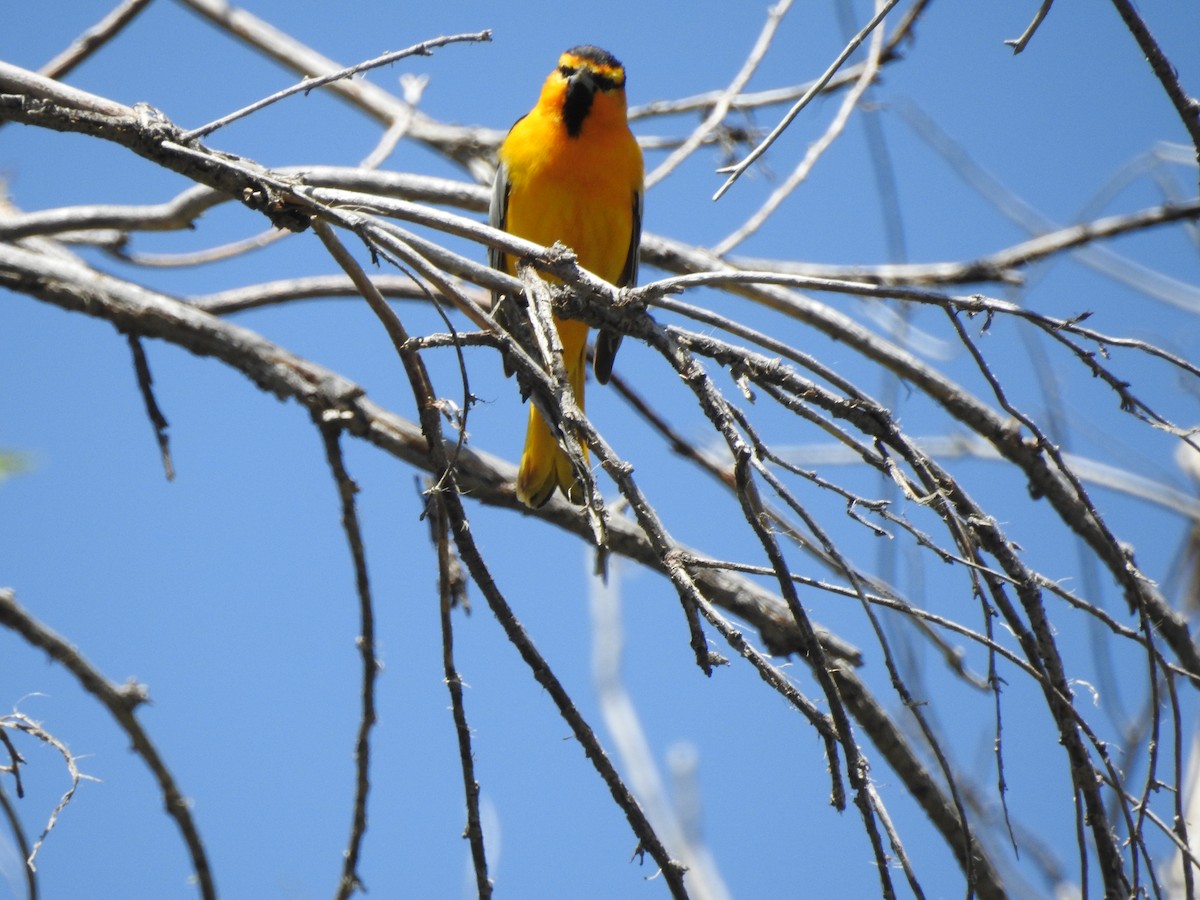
(580, 84)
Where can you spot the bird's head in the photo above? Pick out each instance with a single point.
(588, 81)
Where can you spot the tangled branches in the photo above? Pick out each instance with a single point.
(802, 379)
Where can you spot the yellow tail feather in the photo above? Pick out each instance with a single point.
(544, 464)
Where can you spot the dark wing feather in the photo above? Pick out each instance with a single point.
(497, 259)
(607, 342)
(498, 218)
(629, 272)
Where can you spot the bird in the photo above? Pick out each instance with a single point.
(571, 171)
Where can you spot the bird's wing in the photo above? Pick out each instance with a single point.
(607, 342)
(498, 216)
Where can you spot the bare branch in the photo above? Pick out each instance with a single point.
(1104, 260)
(141, 368)
(452, 591)
(999, 266)
(1019, 44)
(725, 100)
(330, 429)
(22, 82)
(17, 721)
(735, 172)
(121, 703)
(815, 150)
(94, 38)
(424, 48)
(462, 145)
(14, 825)
(1186, 106)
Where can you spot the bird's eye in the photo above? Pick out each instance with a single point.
(567, 71)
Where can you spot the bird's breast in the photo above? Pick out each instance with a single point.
(579, 191)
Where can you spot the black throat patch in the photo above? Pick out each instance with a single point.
(581, 90)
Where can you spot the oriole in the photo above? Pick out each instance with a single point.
(571, 171)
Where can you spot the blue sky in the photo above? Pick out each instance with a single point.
(229, 592)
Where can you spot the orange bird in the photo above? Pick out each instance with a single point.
(571, 171)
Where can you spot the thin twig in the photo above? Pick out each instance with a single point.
(735, 172)
(815, 151)
(1003, 264)
(1019, 44)
(716, 115)
(14, 821)
(330, 428)
(414, 87)
(633, 747)
(205, 255)
(1103, 259)
(459, 144)
(146, 385)
(121, 703)
(450, 589)
(289, 290)
(94, 38)
(20, 722)
(424, 48)
(1186, 106)
(774, 96)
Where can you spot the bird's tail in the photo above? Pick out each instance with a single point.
(544, 464)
